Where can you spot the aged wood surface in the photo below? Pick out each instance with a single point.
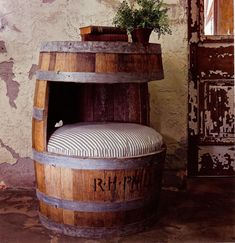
(216, 106)
(97, 232)
(211, 98)
(99, 194)
(100, 47)
(39, 127)
(215, 62)
(143, 66)
(98, 77)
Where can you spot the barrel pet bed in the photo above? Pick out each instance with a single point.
(99, 174)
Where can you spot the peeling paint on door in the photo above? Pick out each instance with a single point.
(211, 98)
(217, 112)
(216, 160)
(193, 127)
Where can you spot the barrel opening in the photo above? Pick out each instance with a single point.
(76, 102)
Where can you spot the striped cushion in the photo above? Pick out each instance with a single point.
(105, 140)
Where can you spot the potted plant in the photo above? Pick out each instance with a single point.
(143, 17)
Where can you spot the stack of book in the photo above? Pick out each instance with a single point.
(103, 33)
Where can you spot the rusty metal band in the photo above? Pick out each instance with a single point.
(71, 162)
(97, 232)
(92, 77)
(100, 47)
(89, 206)
(38, 113)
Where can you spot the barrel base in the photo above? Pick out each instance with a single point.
(97, 232)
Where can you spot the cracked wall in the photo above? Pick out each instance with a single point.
(25, 24)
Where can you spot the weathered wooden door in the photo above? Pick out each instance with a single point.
(211, 88)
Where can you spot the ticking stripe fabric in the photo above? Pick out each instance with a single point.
(104, 140)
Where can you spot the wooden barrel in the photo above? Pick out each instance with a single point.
(93, 82)
(97, 200)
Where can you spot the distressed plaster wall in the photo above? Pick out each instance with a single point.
(24, 24)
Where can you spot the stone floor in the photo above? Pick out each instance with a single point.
(205, 212)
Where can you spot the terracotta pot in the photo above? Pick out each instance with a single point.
(141, 35)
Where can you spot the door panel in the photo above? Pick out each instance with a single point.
(214, 60)
(211, 99)
(216, 112)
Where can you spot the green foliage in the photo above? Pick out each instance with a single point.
(147, 14)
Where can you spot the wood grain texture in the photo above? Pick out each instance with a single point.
(103, 103)
(98, 232)
(121, 47)
(39, 127)
(104, 63)
(100, 220)
(101, 186)
(140, 63)
(40, 176)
